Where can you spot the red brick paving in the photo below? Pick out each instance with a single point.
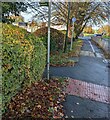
(88, 90)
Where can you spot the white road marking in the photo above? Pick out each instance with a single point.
(92, 47)
(98, 55)
(104, 60)
(94, 54)
(72, 116)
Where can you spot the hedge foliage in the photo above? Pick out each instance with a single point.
(56, 38)
(23, 60)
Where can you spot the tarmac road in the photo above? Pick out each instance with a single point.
(90, 69)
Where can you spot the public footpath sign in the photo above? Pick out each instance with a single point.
(44, 3)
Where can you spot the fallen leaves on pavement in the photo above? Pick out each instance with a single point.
(40, 100)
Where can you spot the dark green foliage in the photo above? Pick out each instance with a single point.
(56, 38)
(12, 7)
(23, 61)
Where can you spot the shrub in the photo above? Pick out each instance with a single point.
(23, 60)
(56, 38)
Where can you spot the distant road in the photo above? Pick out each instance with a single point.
(85, 38)
(104, 42)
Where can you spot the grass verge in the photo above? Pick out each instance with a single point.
(107, 37)
(87, 34)
(62, 59)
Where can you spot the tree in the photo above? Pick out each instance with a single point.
(88, 29)
(105, 29)
(84, 12)
(66, 38)
(12, 8)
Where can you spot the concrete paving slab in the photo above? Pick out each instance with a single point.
(87, 53)
(75, 59)
(91, 54)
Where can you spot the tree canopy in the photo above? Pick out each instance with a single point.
(84, 12)
(88, 29)
(14, 8)
(104, 29)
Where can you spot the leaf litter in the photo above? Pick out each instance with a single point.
(40, 100)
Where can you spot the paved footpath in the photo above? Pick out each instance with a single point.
(88, 89)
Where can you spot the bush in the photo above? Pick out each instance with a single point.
(56, 38)
(23, 60)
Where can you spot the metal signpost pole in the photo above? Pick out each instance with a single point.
(42, 3)
(72, 36)
(48, 54)
(73, 20)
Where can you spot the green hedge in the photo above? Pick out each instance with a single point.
(23, 60)
(56, 38)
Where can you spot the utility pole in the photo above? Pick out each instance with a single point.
(66, 38)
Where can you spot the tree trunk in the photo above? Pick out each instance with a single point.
(66, 38)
